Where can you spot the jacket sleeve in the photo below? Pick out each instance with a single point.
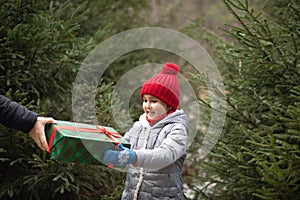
(13, 115)
(129, 135)
(171, 149)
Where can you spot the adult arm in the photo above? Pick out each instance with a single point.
(13, 115)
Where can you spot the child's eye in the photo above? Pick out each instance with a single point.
(145, 100)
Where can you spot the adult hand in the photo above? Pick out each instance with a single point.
(37, 133)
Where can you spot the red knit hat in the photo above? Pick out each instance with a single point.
(164, 86)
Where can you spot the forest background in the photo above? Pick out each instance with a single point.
(255, 46)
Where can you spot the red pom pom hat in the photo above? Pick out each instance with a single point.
(164, 86)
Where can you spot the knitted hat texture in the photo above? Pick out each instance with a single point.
(164, 85)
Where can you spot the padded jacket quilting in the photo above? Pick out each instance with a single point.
(161, 151)
(13, 115)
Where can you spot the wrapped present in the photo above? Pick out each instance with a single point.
(81, 143)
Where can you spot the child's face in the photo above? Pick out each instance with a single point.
(154, 107)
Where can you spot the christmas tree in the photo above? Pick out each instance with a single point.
(257, 156)
(41, 48)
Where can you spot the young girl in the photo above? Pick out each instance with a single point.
(158, 142)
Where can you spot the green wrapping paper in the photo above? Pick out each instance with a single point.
(81, 143)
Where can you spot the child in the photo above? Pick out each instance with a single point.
(158, 142)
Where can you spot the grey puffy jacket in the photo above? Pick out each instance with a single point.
(161, 151)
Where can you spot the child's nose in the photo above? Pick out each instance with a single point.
(148, 104)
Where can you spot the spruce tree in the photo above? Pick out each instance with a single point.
(257, 156)
(42, 45)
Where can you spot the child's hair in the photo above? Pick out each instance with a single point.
(164, 86)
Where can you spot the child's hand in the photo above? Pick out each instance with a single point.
(119, 158)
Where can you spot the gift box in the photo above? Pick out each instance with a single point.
(81, 143)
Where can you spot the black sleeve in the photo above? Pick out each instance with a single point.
(13, 115)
